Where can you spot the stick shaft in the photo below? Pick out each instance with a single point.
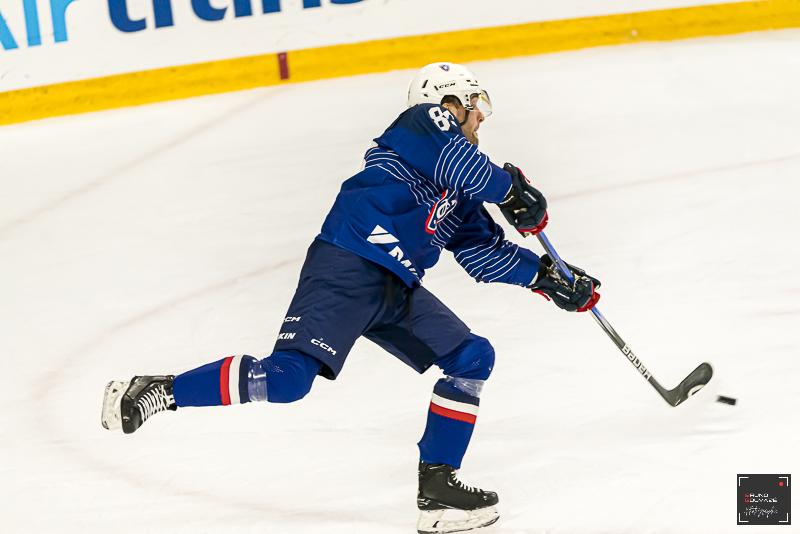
(601, 320)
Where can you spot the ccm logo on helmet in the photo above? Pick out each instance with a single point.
(323, 346)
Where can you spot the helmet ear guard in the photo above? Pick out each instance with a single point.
(453, 99)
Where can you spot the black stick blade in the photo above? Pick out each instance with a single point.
(690, 385)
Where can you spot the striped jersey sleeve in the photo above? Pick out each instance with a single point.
(480, 247)
(429, 138)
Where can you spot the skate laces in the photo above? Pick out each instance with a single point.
(460, 485)
(153, 401)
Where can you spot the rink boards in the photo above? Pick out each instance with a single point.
(124, 89)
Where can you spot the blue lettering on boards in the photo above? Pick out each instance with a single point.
(118, 10)
(58, 10)
(6, 37)
(32, 23)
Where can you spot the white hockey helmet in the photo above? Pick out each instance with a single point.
(435, 81)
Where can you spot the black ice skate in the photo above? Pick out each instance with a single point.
(128, 405)
(448, 505)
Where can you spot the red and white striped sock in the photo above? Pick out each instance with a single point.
(222, 382)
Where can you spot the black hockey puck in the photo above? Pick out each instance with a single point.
(726, 400)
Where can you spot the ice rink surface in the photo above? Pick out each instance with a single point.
(154, 239)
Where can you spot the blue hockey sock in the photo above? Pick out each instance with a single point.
(218, 383)
(451, 420)
(285, 376)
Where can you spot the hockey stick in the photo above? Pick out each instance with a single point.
(688, 387)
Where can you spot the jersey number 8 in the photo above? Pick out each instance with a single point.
(441, 118)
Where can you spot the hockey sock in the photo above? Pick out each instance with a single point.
(218, 383)
(285, 376)
(451, 420)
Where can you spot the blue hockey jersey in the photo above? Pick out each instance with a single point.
(422, 190)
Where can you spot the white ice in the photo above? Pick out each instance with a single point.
(155, 239)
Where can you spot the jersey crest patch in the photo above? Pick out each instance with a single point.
(443, 207)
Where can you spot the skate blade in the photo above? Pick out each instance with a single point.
(111, 418)
(443, 521)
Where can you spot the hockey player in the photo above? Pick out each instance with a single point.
(422, 189)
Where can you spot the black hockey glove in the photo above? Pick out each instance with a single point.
(580, 295)
(524, 207)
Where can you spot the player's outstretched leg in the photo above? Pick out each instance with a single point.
(286, 376)
(445, 503)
